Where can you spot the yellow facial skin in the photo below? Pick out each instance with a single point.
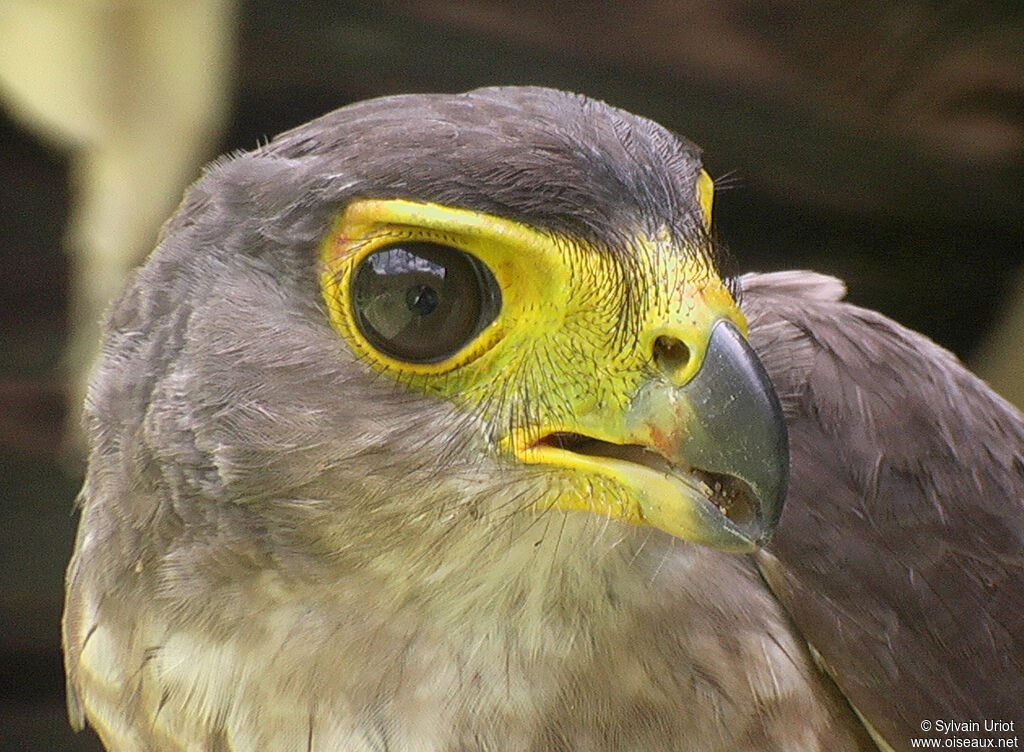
(569, 351)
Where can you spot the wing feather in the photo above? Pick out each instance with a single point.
(900, 555)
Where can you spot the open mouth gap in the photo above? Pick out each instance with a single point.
(733, 496)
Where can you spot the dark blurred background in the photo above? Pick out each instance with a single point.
(882, 142)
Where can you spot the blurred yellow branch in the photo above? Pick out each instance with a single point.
(137, 91)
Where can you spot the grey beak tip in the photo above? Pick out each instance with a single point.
(750, 426)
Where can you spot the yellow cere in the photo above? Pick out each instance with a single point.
(571, 345)
(705, 195)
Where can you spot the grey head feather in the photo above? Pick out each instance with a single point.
(198, 430)
(551, 159)
(235, 278)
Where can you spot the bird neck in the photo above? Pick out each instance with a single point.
(572, 575)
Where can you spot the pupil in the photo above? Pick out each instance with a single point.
(421, 299)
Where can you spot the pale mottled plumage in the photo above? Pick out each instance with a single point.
(282, 549)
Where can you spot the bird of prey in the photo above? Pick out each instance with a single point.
(432, 425)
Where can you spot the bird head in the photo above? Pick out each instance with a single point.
(429, 313)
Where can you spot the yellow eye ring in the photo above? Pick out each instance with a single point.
(417, 237)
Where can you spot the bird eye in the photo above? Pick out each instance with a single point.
(422, 302)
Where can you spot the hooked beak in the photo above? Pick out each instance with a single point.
(723, 436)
(707, 461)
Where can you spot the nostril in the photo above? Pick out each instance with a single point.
(671, 354)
